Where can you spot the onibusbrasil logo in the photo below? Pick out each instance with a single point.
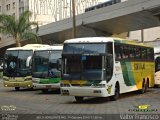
(8, 108)
(143, 108)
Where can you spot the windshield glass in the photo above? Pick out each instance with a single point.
(87, 61)
(40, 63)
(157, 64)
(83, 67)
(16, 63)
(84, 48)
(45, 64)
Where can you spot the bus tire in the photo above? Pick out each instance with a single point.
(44, 90)
(31, 88)
(143, 90)
(146, 85)
(79, 99)
(116, 93)
(17, 88)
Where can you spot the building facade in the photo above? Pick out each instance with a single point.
(43, 11)
(14, 8)
(151, 34)
(47, 11)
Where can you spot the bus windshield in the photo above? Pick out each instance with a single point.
(157, 64)
(84, 61)
(45, 64)
(83, 67)
(16, 63)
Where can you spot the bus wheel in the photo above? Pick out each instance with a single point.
(143, 90)
(44, 90)
(79, 99)
(146, 86)
(116, 93)
(17, 88)
(31, 88)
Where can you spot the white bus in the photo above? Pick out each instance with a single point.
(17, 66)
(105, 66)
(157, 65)
(45, 68)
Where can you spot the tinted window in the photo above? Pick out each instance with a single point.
(16, 63)
(132, 52)
(84, 48)
(157, 64)
(144, 53)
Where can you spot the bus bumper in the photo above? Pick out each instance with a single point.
(46, 86)
(84, 91)
(157, 82)
(27, 84)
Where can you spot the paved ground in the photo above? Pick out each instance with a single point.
(34, 102)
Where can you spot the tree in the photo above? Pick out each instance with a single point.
(20, 29)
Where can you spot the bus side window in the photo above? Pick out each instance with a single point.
(150, 54)
(138, 53)
(131, 52)
(117, 52)
(144, 53)
(125, 52)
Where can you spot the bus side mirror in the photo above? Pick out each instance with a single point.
(59, 61)
(28, 61)
(109, 60)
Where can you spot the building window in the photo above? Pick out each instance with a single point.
(8, 7)
(13, 15)
(14, 5)
(21, 10)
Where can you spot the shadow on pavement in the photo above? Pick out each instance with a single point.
(99, 100)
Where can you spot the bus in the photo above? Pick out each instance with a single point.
(46, 68)
(105, 67)
(157, 66)
(17, 66)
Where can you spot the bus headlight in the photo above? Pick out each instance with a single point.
(98, 85)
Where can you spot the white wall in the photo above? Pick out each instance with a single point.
(149, 34)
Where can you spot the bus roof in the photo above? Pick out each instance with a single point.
(90, 40)
(104, 39)
(29, 47)
(54, 47)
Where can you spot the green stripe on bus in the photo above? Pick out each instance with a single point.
(50, 80)
(127, 73)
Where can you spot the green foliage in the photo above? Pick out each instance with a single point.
(20, 29)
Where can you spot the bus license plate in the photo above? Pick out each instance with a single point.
(16, 84)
